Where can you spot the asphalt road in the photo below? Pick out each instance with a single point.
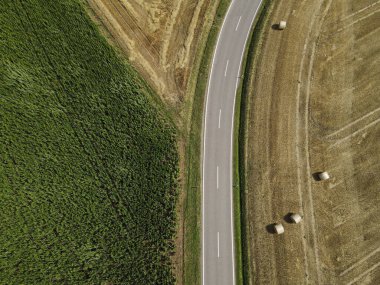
(218, 263)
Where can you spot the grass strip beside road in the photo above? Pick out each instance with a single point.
(192, 231)
(251, 55)
(239, 222)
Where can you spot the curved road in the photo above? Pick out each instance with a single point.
(218, 264)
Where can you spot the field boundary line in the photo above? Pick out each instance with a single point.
(353, 123)
(353, 266)
(140, 35)
(117, 27)
(358, 20)
(361, 10)
(354, 133)
(364, 273)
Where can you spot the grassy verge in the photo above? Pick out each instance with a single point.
(192, 205)
(248, 67)
(239, 223)
(88, 168)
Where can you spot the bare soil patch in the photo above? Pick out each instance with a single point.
(315, 106)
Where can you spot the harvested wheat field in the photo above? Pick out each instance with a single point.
(315, 106)
(160, 38)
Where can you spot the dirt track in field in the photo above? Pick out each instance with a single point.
(315, 106)
(160, 38)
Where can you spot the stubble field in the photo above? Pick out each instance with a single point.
(159, 37)
(314, 106)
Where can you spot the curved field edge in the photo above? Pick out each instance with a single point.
(251, 55)
(355, 139)
(88, 162)
(169, 111)
(192, 203)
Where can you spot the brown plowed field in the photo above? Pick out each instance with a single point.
(314, 105)
(160, 38)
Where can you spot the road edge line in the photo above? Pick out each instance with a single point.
(205, 132)
(255, 38)
(232, 194)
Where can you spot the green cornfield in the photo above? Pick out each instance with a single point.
(88, 163)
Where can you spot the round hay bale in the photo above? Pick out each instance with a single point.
(295, 218)
(278, 229)
(324, 175)
(282, 25)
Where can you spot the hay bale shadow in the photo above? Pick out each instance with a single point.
(316, 176)
(276, 27)
(270, 228)
(288, 219)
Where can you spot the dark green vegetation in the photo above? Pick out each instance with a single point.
(88, 163)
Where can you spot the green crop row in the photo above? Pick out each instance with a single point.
(88, 164)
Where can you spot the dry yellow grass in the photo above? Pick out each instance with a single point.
(315, 106)
(159, 37)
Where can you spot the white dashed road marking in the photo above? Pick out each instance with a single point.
(220, 113)
(217, 177)
(225, 71)
(218, 246)
(237, 26)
